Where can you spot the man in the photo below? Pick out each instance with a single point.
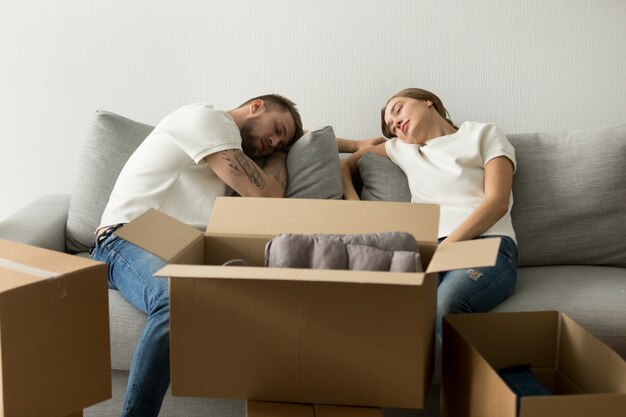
(188, 160)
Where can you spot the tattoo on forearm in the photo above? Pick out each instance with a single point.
(276, 169)
(239, 163)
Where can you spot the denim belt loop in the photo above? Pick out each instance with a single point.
(105, 234)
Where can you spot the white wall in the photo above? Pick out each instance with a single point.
(533, 65)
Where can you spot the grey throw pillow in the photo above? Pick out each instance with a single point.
(569, 195)
(110, 141)
(313, 166)
(382, 179)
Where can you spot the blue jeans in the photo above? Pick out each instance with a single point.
(478, 290)
(131, 272)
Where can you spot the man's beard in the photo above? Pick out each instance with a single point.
(249, 140)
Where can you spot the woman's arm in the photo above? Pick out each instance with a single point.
(349, 167)
(498, 183)
(350, 146)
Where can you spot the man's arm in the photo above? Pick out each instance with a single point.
(244, 176)
(347, 145)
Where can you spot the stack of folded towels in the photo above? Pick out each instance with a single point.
(389, 251)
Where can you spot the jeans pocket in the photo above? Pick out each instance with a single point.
(509, 249)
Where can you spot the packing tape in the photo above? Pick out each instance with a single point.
(26, 269)
(57, 288)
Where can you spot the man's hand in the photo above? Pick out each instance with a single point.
(368, 143)
(347, 145)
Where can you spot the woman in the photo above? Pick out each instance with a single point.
(468, 171)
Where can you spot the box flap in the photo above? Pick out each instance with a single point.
(40, 262)
(469, 385)
(605, 405)
(159, 234)
(503, 338)
(588, 362)
(272, 216)
(290, 274)
(467, 254)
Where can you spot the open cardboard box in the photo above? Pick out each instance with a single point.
(271, 409)
(587, 377)
(314, 336)
(54, 332)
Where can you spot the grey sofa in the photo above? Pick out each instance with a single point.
(569, 214)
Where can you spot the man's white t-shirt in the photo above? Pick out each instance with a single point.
(168, 171)
(450, 171)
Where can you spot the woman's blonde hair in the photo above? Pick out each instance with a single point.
(417, 94)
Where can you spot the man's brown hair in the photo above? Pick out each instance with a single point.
(275, 101)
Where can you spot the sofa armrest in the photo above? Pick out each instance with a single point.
(40, 223)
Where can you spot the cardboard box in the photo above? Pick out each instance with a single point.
(315, 336)
(54, 332)
(340, 411)
(270, 409)
(587, 377)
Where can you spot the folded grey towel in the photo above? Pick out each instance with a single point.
(389, 251)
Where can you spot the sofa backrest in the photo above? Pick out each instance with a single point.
(569, 196)
(110, 141)
(569, 189)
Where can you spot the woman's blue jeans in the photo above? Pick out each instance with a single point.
(478, 290)
(131, 272)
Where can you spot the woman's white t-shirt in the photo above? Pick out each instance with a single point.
(168, 171)
(450, 171)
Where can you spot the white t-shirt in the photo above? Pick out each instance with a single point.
(450, 171)
(168, 171)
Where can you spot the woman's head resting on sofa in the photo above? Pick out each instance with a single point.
(414, 116)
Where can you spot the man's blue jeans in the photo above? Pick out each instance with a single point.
(131, 272)
(478, 290)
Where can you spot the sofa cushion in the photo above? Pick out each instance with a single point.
(569, 196)
(110, 141)
(126, 324)
(313, 166)
(382, 179)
